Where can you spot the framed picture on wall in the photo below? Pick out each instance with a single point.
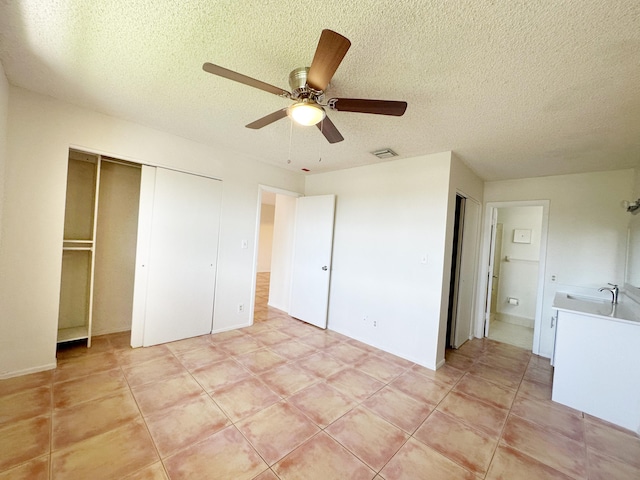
(521, 235)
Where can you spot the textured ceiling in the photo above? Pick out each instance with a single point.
(516, 88)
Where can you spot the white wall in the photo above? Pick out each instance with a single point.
(587, 231)
(519, 270)
(388, 216)
(4, 114)
(266, 237)
(41, 130)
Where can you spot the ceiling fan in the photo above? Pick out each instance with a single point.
(307, 89)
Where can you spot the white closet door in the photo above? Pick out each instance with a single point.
(182, 256)
(311, 273)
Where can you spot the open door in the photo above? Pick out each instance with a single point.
(492, 261)
(312, 247)
(467, 272)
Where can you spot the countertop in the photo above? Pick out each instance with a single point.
(627, 310)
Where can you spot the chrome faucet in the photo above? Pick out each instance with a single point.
(614, 292)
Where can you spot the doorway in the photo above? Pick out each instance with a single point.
(514, 254)
(274, 244)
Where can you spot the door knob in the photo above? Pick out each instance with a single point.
(324, 268)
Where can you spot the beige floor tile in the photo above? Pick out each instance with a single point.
(79, 422)
(447, 375)
(372, 439)
(321, 364)
(288, 379)
(113, 454)
(355, 383)
(459, 361)
(184, 424)
(258, 330)
(322, 458)
(36, 469)
(488, 392)
(83, 389)
(322, 403)
(218, 338)
(515, 365)
(555, 450)
(166, 393)
(398, 408)
(603, 467)
(416, 461)
(25, 382)
(389, 357)
(474, 413)
(193, 343)
(319, 340)
(24, 440)
(25, 404)
(259, 361)
(220, 374)
(468, 447)
(267, 475)
(551, 415)
(535, 390)
(240, 345)
(136, 356)
(154, 472)
(292, 349)
(225, 455)
(86, 365)
(614, 443)
(277, 430)
(539, 375)
(510, 464)
(346, 353)
(271, 337)
(378, 368)
(242, 399)
(153, 370)
(201, 357)
(420, 388)
(503, 377)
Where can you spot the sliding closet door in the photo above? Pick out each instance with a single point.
(179, 268)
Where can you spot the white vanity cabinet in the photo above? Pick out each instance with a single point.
(597, 360)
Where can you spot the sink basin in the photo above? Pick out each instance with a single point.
(584, 298)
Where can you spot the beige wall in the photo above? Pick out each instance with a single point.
(4, 114)
(266, 237)
(41, 130)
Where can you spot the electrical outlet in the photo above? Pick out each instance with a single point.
(375, 323)
(240, 307)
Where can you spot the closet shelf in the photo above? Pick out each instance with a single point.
(73, 333)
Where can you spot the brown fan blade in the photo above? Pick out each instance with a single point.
(377, 107)
(331, 49)
(269, 119)
(238, 77)
(329, 130)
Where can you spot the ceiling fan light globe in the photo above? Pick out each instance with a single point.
(306, 113)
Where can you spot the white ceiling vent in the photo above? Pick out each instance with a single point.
(384, 153)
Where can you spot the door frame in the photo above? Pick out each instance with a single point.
(486, 269)
(256, 241)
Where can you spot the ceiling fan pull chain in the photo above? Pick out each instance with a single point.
(290, 140)
(320, 142)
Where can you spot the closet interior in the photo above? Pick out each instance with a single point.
(99, 247)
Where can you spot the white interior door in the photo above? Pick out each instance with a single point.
(182, 257)
(467, 272)
(311, 271)
(492, 260)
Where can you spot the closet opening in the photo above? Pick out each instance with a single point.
(99, 248)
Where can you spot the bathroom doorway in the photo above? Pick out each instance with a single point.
(514, 255)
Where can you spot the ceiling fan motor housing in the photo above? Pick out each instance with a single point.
(299, 87)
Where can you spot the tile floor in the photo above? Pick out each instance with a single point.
(284, 400)
(505, 332)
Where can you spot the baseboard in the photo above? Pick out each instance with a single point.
(27, 371)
